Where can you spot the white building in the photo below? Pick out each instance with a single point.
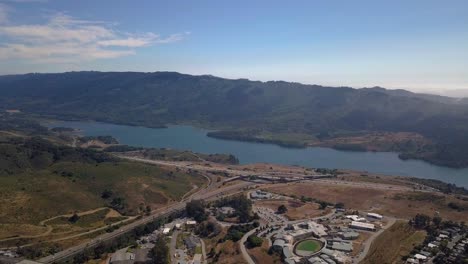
(363, 226)
(374, 215)
(355, 218)
(166, 230)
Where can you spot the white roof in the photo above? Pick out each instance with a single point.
(419, 256)
(166, 230)
(374, 215)
(363, 225)
(355, 218)
(190, 222)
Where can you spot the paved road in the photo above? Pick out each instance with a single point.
(231, 169)
(244, 252)
(166, 211)
(371, 239)
(172, 246)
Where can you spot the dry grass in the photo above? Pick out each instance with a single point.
(260, 254)
(227, 252)
(394, 243)
(296, 210)
(401, 204)
(358, 244)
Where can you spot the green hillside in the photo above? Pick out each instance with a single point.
(248, 109)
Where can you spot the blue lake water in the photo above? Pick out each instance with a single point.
(195, 139)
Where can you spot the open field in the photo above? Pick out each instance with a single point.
(397, 203)
(394, 243)
(296, 210)
(31, 196)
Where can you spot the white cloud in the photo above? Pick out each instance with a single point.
(63, 39)
(3, 13)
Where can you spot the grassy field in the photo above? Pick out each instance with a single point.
(394, 243)
(397, 203)
(309, 245)
(30, 197)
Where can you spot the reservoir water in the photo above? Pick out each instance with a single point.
(195, 139)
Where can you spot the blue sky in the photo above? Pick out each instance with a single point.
(418, 45)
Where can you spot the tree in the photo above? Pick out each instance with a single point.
(282, 209)
(196, 209)
(106, 194)
(339, 205)
(437, 220)
(160, 253)
(421, 221)
(254, 241)
(74, 218)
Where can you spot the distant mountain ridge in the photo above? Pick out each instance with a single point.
(274, 107)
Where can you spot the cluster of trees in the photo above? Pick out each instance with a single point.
(282, 209)
(236, 232)
(441, 186)
(160, 252)
(124, 240)
(242, 206)
(104, 139)
(36, 153)
(196, 209)
(21, 122)
(433, 224)
(322, 204)
(254, 241)
(208, 229)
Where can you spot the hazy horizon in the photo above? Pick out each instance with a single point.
(419, 46)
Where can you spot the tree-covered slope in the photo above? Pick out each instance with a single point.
(156, 99)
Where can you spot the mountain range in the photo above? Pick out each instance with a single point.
(254, 110)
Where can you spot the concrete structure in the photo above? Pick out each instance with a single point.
(349, 235)
(259, 195)
(356, 218)
(341, 246)
(191, 223)
(166, 230)
(374, 215)
(363, 226)
(306, 229)
(420, 257)
(227, 210)
(122, 257)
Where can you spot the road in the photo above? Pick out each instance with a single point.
(173, 245)
(244, 252)
(371, 239)
(227, 168)
(213, 194)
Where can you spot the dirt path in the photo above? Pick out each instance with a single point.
(50, 228)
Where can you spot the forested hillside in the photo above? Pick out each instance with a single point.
(248, 108)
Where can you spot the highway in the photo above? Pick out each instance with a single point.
(205, 194)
